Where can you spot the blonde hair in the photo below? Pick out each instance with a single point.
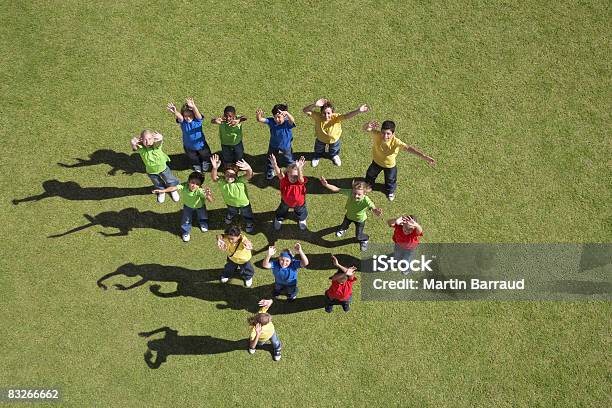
(261, 318)
(361, 185)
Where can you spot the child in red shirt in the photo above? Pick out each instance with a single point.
(293, 192)
(341, 290)
(406, 236)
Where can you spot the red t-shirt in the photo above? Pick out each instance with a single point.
(409, 241)
(341, 291)
(293, 194)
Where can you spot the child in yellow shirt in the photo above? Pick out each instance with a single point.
(262, 330)
(237, 248)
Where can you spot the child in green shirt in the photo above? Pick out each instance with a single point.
(230, 133)
(149, 146)
(356, 205)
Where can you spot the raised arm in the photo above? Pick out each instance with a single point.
(221, 243)
(236, 121)
(135, 143)
(194, 108)
(165, 190)
(412, 223)
(216, 163)
(217, 121)
(243, 165)
(289, 117)
(157, 139)
(392, 222)
(316, 104)
(259, 115)
(300, 169)
(303, 258)
(328, 186)
(362, 109)
(371, 126)
(277, 170)
(177, 115)
(420, 154)
(266, 262)
(208, 194)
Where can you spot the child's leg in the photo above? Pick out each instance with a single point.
(288, 156)
(292, 292)
(186, 219)
(334, 149)
(345, 224)
(169, 178)
(359, 227)
(390, 180)
(346, 304)
(282, 211)
(194, 158)
(247, 271)
(373, 172)
(158, 183)
(202, 216)
(319, 149)
(227, 154)
(247, 214)
(229, 269)
(231, 213)
(204, 156)
(301, 212)
(276, 344)
(278, 289)
(238, 152)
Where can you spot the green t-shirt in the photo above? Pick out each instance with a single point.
(230, 135)
(193, 199)
(235, 194)
(153, 158)
(356, 210)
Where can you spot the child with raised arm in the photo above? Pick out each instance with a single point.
(230, 134)
(357, 203)
(293, 192)
(328, 129)
(194, 143)
(194, 197)
(262, 330)
(237, 248)
(281, 135)
(405, 235)
(149, 147)
(341, 290)
(234, 190)
(285, 270)
(385, 147)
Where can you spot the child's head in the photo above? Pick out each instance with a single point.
(229, 113)
(360, 189)
(327, 110)
(195, 180)
(292, 172)
(231, 173)
(233, 233)
(340, 277)
(261, 318)
(276, 112)
(187, 113)
(387, 129)
(407, 229)
(146, 137)
(284, 258)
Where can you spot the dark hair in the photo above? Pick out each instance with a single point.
(326, 105)
(414, 218)
(229, 109)
(233, 231)
(279, 107)
(388, 124)
(197, 177)
(185, 109)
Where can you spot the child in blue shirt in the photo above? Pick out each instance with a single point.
(194, 143)
(285, 270)
(281, 135)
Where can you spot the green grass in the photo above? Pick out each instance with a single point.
(512, 99)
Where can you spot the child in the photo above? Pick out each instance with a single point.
(356, 205)
(234, 190)
(194, 143)
(238, 248)
(194, 197)
(293, 192)
(328, 129)
(341, 290)
(406, 236)
(230, 133)
(149, 146)
(281, 136)
(385, 147)
(285, 270)
(262, 330)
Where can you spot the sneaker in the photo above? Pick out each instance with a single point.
(276, 356)
(204, 228)
(249, 228)
(329, 308)
(269, 176)
(363, 245)
(205, 167)
(315, 162)
(224, 280)
(302, 225)
(161, 197)
(228, 220)
(175, 196)
(336, 160)
(252, 351)
(277, 224)
(340, 233)
(292, 298)
(248, 283)
(391, 196)
(186, 237)
(346, 307)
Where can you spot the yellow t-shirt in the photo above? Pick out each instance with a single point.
(384, 153)
(242, 255)
(327, 131)
(267, 330)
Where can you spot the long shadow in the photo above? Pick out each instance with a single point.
(70, 190)
(159, 349)
(290, 231)
(157, 273)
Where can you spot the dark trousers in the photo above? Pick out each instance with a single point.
(301, 212)
(390, 177)
(286, 155)
(331, 302)
(246, 212)
(246, 269)
(231, 154)
(188, 215)
(319, 149)
(279, 288)
(200, 159)
(359, 227)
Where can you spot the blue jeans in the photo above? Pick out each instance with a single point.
(287, 155)
(403, 253)
(390, 177)
(188, 215)
(200, 159)
(163, 179)
(301, 212)
(331, 302)
(246, 212)
(276, 344)
(319, 149)
(246, 269)
(359, 227)
(292, 290)
(232, 154)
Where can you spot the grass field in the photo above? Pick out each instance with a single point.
(511, 98)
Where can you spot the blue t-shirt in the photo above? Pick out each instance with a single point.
(193, 135)
(280, 135)
(288, 275)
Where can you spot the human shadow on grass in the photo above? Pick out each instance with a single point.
(171, 343)
(157, 273)
(70, 190)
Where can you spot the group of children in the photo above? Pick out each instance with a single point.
(233, 187)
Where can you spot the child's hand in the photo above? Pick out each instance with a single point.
(351, 270)
(284, 113)
(218, 120)
(271, 250)
(297, 247)
(157, 191)
(258, 329)
(431, 161)
(243, 165)
(320, 102)
(335, 261)
(301, 162)
(234, 122)
(364, 108)
(377, 211)
(323, 181)
(171, 107)
(214, 161)
(221, 244)
(190, 103)
(265, 303)
(208, 194)
(272, 158)
(371, 125)
(248, 245)
(259, 112)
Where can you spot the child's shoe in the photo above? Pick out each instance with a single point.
(340, 233)
(252, 351)
(270, 175)
(336, 160)
(161, 197)
(329, 308)
(315, 162)
(205, 167)
(224, 279)
(248, 282)
(186, 237)
(228, 220)
(302, 225)
(391, 196)
(175, 196)
(346, 307)
(277, 355)
(363, 245)
(277, 224)
(204, 228)
(292, 298)
(249, 228)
